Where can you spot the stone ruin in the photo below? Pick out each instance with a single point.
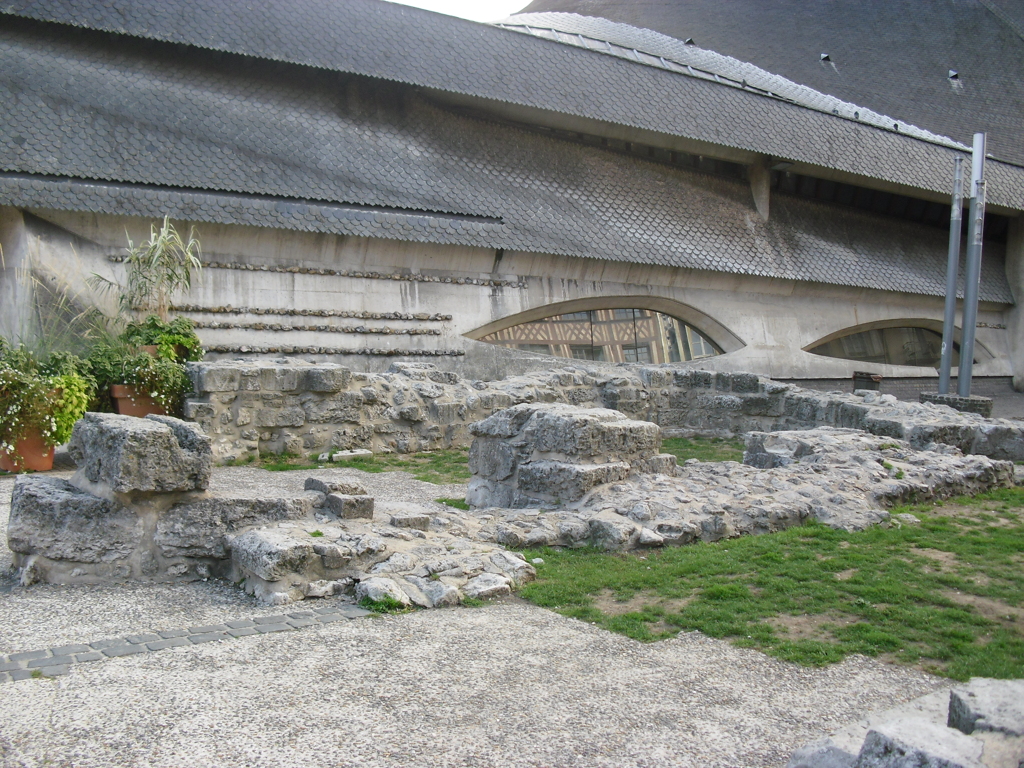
(556, 475)
(252, 408)
(979, 724)
(145, 504)
(142, 506)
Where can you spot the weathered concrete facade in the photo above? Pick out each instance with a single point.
(387, 298)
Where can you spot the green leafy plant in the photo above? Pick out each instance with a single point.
(154, 271)
(175, 340)
(48, 395)
(162, 379)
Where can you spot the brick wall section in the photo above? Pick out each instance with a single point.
(303, 408)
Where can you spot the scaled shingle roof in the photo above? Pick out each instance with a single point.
(893, 56)
(408, 45)
(109, 124)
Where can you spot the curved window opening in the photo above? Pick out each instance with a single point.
(609, 335)
(889, 346)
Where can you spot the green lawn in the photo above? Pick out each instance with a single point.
(946, 595)
(704, 448)
(441, 467)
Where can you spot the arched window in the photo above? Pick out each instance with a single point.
(620, 335)
(900, 345)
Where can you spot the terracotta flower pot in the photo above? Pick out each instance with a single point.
(31, 453)
(130, 402)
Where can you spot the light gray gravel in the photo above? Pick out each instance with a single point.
(503, 685)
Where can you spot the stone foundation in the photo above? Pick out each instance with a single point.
(251, 407)
(142, 507)
(546, 475)
(972, 404)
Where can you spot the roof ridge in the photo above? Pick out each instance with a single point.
(798, 94)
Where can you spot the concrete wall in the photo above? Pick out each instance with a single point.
(1015, 314)
(380, 290)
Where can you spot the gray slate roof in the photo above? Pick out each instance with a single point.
(101, 123)
(407, 45)
(892, 56)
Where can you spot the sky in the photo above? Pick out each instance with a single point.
(477, 10)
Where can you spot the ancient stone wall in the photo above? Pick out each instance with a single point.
(302, 408)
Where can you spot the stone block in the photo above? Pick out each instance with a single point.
(487, 585)
(214, 377)
(821, 754)
(280, 378)
(409, 520)
(568, 482)
(662, 464)
(280, 417)
(343, 407)
(613, 535)
(919, 743)
(199, 528)
(326, 378)
(492, 458)
(156, 454)
(272, 554)
(354, 453)
(988, 705)
(52, 518)
(332, 555)
(350, 507)
(745, 383)
(346, 487)
(378, 589)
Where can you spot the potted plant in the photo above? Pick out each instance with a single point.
(142, 368)
(40, 401)
(138, 382)
(175, 340)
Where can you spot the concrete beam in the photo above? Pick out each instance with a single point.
(760, 176)
(1015, 315)
(15, 295)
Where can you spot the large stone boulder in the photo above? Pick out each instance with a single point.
(548, 455)
(52, 518)
(157, 454)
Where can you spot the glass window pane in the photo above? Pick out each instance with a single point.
(613, 335)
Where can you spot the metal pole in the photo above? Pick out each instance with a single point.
(972, 272)
(952, 268)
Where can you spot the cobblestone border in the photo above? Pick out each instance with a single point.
(53, 662)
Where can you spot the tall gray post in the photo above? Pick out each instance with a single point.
(952, 270)
(972, 272)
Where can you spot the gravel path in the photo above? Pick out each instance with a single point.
(504, 685)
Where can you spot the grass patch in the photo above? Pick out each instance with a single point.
(704, 448)
(946, 595)
(439, 467)
(387, 604)
(316, 534)
(457, 503)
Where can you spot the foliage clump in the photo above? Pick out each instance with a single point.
(46, 394)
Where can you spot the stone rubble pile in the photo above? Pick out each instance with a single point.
(142, 507)
(563, 476)
(984, 728)
(251, 407)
